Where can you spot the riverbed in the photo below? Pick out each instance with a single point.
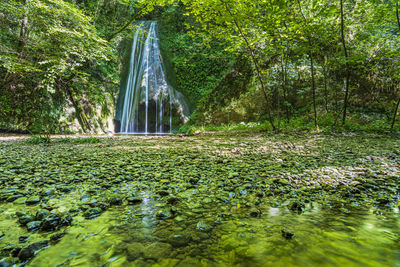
(206, 200)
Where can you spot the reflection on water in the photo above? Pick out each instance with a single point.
(214, 235)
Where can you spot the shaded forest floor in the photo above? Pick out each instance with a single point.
(46, 188)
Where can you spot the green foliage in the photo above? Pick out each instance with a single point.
(47, 63)
(60, 60)
(194, 69)
(281, 36)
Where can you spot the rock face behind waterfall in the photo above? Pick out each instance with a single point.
(146, 102)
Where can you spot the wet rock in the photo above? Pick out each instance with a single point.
(33, 226)
(254, 212)
(85, 197)
(13, 249)
(33, 200)
(115, 201)
(243, 192)
(287, 235)
(13, 198)
(101, 205)
(24, 219)
(134, 200)
(41, 214)
(51, 222)
(66, 189)
(282, 181)
(134, 250)
(202, 226)
(179, 240)
(174, 209)
(157, 250)
(260, 194)
(233, 174)
(383, 201)
(29, 251)
(172, 199)
(163, 193)
(164, 214)
(55, 238)
(297, 206)
(21, 200)
(84, 207)
(92, 213)
(48, 192)
(8, 262)
(193, 181)
(74, 211)
(179, 218)
(372, 181)
(23, 239)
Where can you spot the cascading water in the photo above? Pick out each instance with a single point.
(147, 103)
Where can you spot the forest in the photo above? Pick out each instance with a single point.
(281, 64)
(199, 133)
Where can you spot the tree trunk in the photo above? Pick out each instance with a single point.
(397, 14)
(325, 84)
(346, 96)
(398, 101)
(395, 114)
(22, 34)
(284, 87)
(313, 88)
(79, 113)
(256, 65)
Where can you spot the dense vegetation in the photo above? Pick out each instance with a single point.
(279, 63)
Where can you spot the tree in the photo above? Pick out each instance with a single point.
(46, 61)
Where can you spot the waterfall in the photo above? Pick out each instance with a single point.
(147, 103)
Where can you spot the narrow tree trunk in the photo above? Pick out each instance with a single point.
(313, 88)
(284, 87)
(79, 113)
(398, 101)
(256, 65)
(346, 96)
(395, 114)
(397, 14)
(325, 85)
(22, 35)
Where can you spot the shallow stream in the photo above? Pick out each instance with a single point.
(211, 234)
(201, 201)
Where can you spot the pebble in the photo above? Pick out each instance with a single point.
(33, 226)
(28, 252)
(33, 200)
